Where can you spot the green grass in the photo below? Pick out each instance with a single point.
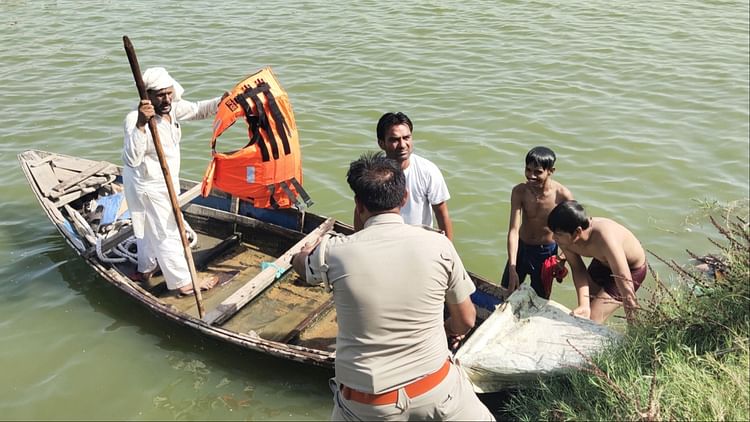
(685, 357)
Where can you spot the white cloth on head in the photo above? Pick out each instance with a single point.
(156, 78)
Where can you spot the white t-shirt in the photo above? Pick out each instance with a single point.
(426, 188)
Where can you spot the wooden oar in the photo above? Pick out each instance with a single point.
(165, 171)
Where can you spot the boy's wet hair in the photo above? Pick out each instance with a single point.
(377, 181)
(566, 217)
(542, 157)
(389, 120)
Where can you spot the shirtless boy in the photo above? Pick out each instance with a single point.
(618, 265)
(530, 242)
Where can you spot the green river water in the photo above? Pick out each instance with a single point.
(645, 104)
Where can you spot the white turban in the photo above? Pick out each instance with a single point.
(156, 78)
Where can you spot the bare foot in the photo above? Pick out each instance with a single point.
(205, 283)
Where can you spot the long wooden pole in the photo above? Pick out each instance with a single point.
(130, 51)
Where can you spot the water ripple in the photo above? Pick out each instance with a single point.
(645, 103)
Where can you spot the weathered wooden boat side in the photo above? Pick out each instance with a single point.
(259, 304)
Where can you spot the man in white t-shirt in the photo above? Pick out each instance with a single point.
(427, 191)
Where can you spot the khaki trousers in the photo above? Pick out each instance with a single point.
(453, 399)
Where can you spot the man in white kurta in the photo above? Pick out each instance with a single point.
(154, 224)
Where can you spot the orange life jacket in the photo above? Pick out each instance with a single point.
(268, 170)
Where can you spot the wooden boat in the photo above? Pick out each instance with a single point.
(260, 304)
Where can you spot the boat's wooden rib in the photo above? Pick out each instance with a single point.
(52, 211)
(44, 176)
(250, 222)
(80, 225)
(311, 319)
(65, 184)
(202, 260)
(64, 174)
(34, 160)
(75, 164)
(254, 287)
(187, 197)
(68, 197)
(100, 167)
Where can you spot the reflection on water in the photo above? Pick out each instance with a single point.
(645, 104)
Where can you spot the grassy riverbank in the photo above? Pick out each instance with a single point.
(685, 357)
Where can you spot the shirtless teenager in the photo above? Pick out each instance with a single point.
(618, 265)
(530, 242)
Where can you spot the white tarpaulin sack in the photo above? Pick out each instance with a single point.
(527, 337)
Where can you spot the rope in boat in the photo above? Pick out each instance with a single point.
(122, 250)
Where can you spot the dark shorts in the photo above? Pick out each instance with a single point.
(529, 260)
(602, 276)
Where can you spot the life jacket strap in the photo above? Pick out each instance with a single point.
(292, 196)
(271, 191)
(264, 126)
(302, 192)
(252, 126)
(282, 127)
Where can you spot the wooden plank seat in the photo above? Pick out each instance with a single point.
(63, 180)
(260, 282)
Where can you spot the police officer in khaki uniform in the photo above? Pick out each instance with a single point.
(390, 282)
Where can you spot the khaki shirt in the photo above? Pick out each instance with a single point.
(390, 282)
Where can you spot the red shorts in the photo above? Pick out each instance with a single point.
(602, 276)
